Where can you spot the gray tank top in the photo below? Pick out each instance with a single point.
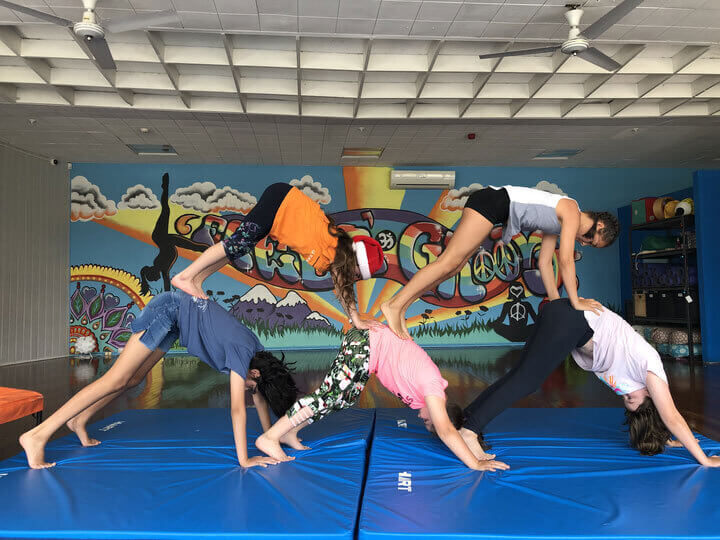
(531, 210)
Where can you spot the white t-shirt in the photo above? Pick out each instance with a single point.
(620, 356)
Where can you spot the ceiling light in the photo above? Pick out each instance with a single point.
(563, 153)
(152, 149)
(362, 153)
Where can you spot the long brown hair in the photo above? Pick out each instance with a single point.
(648, 433)
(343, 269)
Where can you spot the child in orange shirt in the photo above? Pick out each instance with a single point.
(290, 217)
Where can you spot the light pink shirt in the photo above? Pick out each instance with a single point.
(404, 368)
(620, 357)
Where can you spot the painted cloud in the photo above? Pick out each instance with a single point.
(138, 197)
(87, 201)
(312, 189)
(456, 198)
(207, 197)
(549, 187)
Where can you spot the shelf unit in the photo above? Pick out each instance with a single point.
(683, 224)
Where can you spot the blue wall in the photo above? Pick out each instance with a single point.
(706, 193)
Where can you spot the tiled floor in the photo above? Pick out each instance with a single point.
(184, 382)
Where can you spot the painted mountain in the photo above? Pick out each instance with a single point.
(290, 311)
(256, 305)
(315, 320)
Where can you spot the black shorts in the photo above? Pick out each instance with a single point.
(492, 204)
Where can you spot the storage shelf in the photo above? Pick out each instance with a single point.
(668, 288)
(664, 320)
(664, 253)
(672, 223)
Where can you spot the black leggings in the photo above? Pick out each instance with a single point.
(257, 224)
(559, 329)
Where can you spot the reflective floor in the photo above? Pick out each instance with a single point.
(185, 382)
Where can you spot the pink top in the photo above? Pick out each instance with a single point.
(404, 368)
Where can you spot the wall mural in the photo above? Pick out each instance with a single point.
(147, 236)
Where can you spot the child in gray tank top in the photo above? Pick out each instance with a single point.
(517, 209)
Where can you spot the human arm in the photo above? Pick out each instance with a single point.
(262, 409)
(238, 415)
(569, 215)
(547, 250)
(452, 438)
(660, 394)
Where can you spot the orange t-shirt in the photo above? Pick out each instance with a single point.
(301, 224)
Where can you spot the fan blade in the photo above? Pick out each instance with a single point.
(100, 50)
(37, 14)
(610, 18)
(594, 56)
(140, 22)
(520, 53)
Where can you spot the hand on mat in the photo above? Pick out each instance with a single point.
(713, 461)
(261, 461)
(490, 465)
(588, 304)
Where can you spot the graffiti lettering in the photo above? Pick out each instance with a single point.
(410, 241)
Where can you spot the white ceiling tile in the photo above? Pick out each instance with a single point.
(277, 7)
(144, 5)
(236, 6)
(392, 27)
(515, 13)
(477, 12)
(553, 14)
(646, 32)
(278, 23)
(664, 17)
(232, 22)
(318, 25)
(205, 6)
(539, 31)
(681, 34)
(502, 30)
(352, 9)
(438, 11)
(355, 26)
(208, 21)
(430, 28)
(398, 9)
(318, 8)
(467, 28)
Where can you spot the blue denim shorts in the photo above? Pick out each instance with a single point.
(159, 321)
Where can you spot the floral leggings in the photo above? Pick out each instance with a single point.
(342, 385)
(257, 224)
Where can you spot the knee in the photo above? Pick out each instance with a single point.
(117, 383)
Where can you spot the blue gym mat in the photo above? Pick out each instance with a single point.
(573, 476)
(174, 474)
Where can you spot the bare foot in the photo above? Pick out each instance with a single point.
(395, 321)
(271, 447)
(188, 286)
(79, 429)
(473, 444)
(293, 441)
(35, 451)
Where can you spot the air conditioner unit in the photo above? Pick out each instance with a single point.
(422, 179)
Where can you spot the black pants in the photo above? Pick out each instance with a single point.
(257, 224)
(559, 329)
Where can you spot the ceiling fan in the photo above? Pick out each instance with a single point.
(93, 33)
(578, 43)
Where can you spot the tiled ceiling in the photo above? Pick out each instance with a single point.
(96, 134)
(371, 60)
